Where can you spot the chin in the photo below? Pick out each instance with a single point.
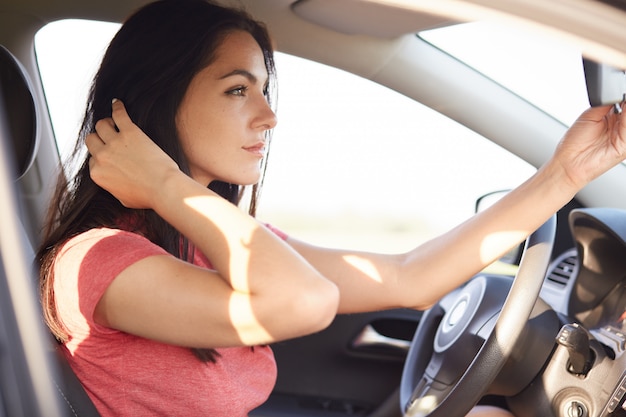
(243, 181)
(250, 179)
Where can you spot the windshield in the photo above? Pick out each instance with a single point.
(546, 72)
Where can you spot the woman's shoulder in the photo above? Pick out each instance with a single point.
(109, 241)
(99, 233)
(92, 259)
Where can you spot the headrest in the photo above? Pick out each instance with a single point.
(20, 111)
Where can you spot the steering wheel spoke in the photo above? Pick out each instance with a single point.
(426, 396)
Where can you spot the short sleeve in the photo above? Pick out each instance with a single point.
(277, 231)
(86, 266)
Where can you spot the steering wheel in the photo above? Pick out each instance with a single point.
(463, 341)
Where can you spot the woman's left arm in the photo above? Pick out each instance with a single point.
(418, 278)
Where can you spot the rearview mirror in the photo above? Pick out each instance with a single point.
(605, 84)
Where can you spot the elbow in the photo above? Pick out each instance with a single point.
(423, 306)
(316, 306)
(329, 305)
(292, 311)
(421, 303)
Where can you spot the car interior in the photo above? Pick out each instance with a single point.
(547, 342)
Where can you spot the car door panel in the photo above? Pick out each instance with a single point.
(351, 368)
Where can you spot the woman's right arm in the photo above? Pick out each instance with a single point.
(261, 290)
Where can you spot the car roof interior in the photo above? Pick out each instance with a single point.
(375, 40)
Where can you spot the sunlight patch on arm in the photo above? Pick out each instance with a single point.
(365, 266)
(497, 244)
(250, 331)
(239, 253)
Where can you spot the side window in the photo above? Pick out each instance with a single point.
(68, 54)
(352, 163)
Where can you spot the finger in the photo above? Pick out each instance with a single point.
(615, 114)
(120, 115)
(94, 143)
(92, 166)
(105, 128)
(616, 110)
(94, 170)
(598, 112)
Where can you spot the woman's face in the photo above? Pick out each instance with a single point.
(224, 114)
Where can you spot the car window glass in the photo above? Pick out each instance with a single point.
(352, 164)
(68, 54)
(545, 71)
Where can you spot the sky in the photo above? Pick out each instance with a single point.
(345, 149)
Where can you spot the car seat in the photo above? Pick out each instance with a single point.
(35, 378)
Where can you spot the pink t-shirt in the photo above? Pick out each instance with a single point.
(126, 375)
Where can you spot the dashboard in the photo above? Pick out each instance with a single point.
(585, 374)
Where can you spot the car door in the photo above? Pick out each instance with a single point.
(351, 368)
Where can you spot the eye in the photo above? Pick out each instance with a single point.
(238, 91)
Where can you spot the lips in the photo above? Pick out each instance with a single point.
(256, 149)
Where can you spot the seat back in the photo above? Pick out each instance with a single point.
(35, 379)
(20, 112)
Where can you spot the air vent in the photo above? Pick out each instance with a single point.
(563, 268)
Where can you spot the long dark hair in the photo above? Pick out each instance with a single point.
(148, 65)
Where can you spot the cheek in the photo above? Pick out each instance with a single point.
(193, 131)
(202, 120)
(207, 130)
(204, 147)
(186, 144)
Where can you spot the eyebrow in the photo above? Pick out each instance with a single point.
(251, 77)
(244, 73)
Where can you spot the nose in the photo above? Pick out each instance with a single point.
(266, 118)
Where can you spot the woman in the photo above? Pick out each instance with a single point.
(163, 292)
